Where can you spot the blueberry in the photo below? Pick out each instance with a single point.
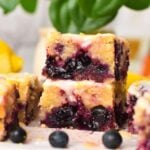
(59, 71)
(70, 65)
(62, 116)
(79, 66)
(59, 47)
(66, 75)
(85, 59)
(82, 60)
(112, 139)
(56, 71)
(102, 69)
(18, 135)
(59, 139)
(100, 114)
(50, 60)
(51, 71)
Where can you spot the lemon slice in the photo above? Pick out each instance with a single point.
(133, 77)
(9, 61)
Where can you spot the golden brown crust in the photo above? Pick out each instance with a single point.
(29, 89)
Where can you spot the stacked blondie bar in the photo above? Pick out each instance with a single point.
(86, 80)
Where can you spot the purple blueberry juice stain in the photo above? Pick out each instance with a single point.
(59, 48)
(78, 67)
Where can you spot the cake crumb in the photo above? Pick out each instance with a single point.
(90, 144)
(125, 134)
(43, 126)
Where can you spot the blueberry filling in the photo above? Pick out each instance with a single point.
(61, 117)
(100, 114)
(71, 65)
(102, 69)
(84, 59)
(78, 67)
(77, 116)
(59, 47)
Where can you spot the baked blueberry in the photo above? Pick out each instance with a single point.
(18, 135)
(85, 59)
(112, 139)
(102, 69)
(100, 114)
(70, 65)
(62, 116)
(59, 47)
(59, 139)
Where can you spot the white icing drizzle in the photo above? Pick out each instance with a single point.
(69, 86)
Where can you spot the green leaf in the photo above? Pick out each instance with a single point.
(76, 13)
(60, 16)
(9, 5)
(84, 23)
(29, 5)
(67, 16)
(97, 8)
(138, 4)
(95, 24)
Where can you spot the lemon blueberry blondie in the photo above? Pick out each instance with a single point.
(139, 112)
(78, 104)
(100, 57)
(29, 91)
(86, 77)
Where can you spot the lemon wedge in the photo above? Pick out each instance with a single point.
(9, 61)
(133, 77)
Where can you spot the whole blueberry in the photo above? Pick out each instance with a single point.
(70, 65)
(18, 135)
(112, 139)
(59, 139)
(100, 114)
(102, 69)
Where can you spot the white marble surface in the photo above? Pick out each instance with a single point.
(78, 140)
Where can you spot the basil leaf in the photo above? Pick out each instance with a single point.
(60, 16)
(84, 23)
(76, 13)
(29, 5)
(97, 8)
(138, 4)
(9, 5)
(94, 24)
